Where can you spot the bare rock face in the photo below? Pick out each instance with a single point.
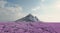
(28, 18)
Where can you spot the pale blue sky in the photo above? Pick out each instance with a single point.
(45, 10)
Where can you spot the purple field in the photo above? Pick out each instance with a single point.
(29, 27)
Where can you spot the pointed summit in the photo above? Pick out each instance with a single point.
(29, 18)
(29, 15)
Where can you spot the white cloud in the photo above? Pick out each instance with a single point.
(48, 18)
(43, 0)
(36, 8)
(51, 12)
(10, 13)
(2, 3)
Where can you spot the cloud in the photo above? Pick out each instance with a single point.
(48, 10)
(51, 11)
(36, 8)
(43, 0)
(10, 13)
(2, 3)
(48, 18)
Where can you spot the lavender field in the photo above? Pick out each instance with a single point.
(29, 27)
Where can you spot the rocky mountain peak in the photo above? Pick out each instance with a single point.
(28, 18)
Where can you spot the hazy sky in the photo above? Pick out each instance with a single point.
(45, 10)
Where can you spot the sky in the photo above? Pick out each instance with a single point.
(45, 10)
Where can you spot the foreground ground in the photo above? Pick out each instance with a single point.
(29, 27)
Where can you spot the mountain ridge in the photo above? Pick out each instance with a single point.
(28, 18)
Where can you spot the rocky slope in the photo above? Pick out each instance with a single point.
(28, 18)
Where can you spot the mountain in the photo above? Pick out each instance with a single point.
(28, 18)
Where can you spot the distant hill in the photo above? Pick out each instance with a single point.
(28, 18)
